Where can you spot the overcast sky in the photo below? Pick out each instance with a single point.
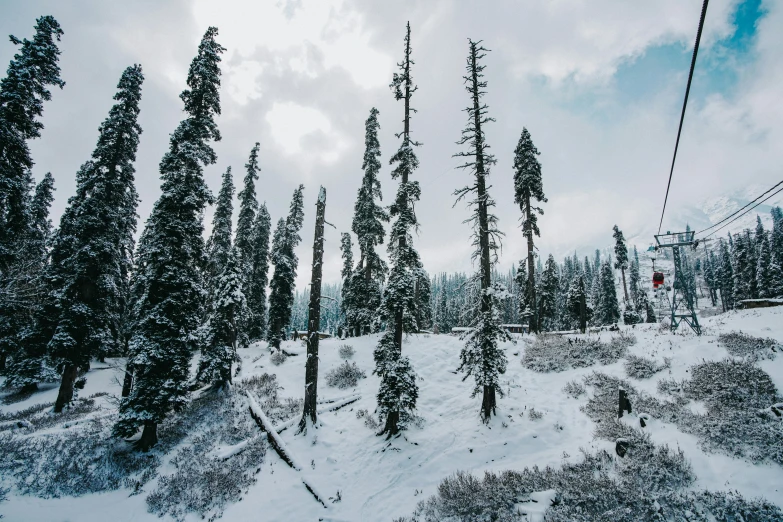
(598, 83)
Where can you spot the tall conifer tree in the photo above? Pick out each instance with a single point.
(258, 274)
(481, 357)
(608, 309)
(283, 285)
(398, 391)
(223, 331)
(24, 296)
(621, 256)
(219, 242)
(168, 279)
(368, 221)
(528, 192)
(248, 206)
(22, 93)
(88, 272)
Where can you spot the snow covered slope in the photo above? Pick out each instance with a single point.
(380, 480)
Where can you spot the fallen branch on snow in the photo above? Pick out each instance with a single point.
(278, 445)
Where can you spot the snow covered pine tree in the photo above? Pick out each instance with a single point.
(528, 187)
(620, 256)
(481, 356)
(367, 224)
(281, 298)
(258, 274)
(398, 391)
(224, 330)
(248, 208)
(22, 93)
(168, 282)
(87, 276)
(25, 295)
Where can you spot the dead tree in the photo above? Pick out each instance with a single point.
(582, 306)
(314, 317)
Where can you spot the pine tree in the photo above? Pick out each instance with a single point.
(644, 308)
(283, 285)
(621, 256)
(577, 302)
(219, 242)
(223, 332)
(87, 276)
(346, 250)
(248, 207)
(22, 93)
(528, 188)
(763, 272)
(726, 276)
(168, 282)
(398, 391)
(368, 221)
(481, 357)
(24, 295)
(547, 295)
(776, 236)
(608, 310)
(776, 253)
(634, 280)
(744, 275)
(710, 278)
(258, 274)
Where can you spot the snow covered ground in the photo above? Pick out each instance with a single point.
(377, 479)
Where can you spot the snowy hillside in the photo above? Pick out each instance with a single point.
(714, 209)
(369, 478)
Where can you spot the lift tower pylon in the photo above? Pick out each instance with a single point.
(682, 299)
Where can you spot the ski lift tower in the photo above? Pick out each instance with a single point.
(682, 298)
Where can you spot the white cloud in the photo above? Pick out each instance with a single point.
(587, 40)
(292, 125)
(247, 26)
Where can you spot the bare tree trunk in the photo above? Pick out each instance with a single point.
(65, 395)
(488, 402)
(582, 306)
(314, 318)
(3, 357)
(625, 287)
(127, 382)
(531, 280)
(149, 437)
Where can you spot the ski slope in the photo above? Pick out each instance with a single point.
(381, 480)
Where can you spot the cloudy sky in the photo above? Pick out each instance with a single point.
(598, 83)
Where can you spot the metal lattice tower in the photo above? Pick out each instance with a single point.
(682, 309)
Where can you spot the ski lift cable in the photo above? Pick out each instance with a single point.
(684, 105)
(740, 210)
(751, 208)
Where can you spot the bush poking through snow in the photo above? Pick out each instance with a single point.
(738, 395)
(731, 384)
(554, 353)
(535, 414)
(369, 420)
(744, 345)
(574, 389)
(346, 351)
(206, 485)
(278, 357)
(346, 375)
(648, 484)
(644, 368)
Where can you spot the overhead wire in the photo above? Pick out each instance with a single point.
(741, 209)
(684, 105)
(751, 208)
